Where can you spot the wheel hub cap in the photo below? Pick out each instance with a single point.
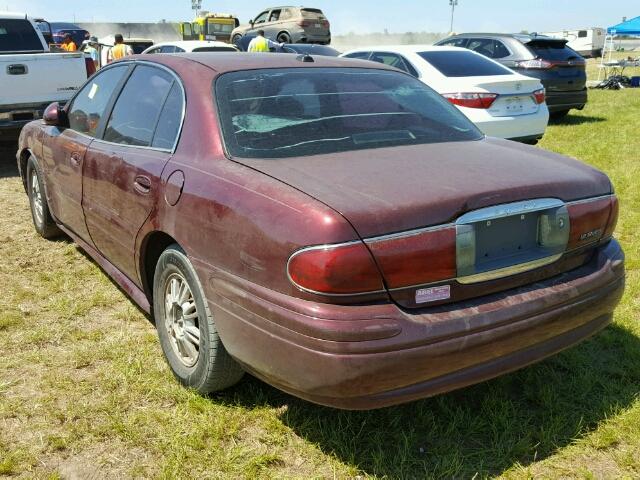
(181, 320)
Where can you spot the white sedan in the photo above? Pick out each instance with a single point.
(189, 46)
(501, 102)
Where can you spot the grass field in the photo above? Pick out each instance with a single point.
(85, 392)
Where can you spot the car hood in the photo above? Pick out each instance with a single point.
(388, 190)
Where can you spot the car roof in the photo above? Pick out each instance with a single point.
(65, 25)
(223, 62)
(14, 16)
(194, 44)
(407, 48)
(523, 37)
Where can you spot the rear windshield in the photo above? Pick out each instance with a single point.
(463, 64)
(138, 47)
(279, 113)
(311, 12)
(552, 51)
(17, 35)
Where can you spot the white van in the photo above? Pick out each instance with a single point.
(588, 42)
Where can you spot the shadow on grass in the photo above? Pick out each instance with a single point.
(487, 428)
(8, 164)
(575, 120)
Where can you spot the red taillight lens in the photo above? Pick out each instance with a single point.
(471, 100)
(326, 24)
(592, 220)
(304, 23)
(539, 96)
(345, 269)
(90, 66)
(423, 257)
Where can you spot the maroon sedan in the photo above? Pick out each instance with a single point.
(332, 226)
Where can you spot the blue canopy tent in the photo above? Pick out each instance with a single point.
(630, 27)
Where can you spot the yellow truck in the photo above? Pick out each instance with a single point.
(210, 26)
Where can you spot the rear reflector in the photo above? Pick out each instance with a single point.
(471, 100)
(592, 220)
(422, 257)
(539, 96)
(345, 269)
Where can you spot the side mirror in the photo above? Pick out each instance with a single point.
(55, 115)
(252, 23)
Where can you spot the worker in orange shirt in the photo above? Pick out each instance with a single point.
(68, 44)
(119, 49)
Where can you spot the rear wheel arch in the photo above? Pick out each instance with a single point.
(25, 154)
(152, 247)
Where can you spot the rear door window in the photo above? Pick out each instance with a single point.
(135, 114)
(359, 55)
(488, 47)
(552, 51)
(88, 107)
(18, 35)
(394, 60)
(463, 64)
(455, 42)
(170, 120)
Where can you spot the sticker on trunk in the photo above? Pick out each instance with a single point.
(433, 294)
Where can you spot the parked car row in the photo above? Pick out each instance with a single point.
(333, 226)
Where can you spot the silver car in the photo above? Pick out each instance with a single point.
(288, 25)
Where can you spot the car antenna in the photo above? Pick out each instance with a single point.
(305, 58)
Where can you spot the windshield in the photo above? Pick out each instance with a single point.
(307, 111)
(17, 35)
(557, 51)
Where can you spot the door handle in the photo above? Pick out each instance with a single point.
(142, 184)
(76, 158)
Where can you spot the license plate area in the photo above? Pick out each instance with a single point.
(507, 239)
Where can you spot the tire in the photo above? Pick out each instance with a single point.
(187, 331)
(559, 115)
(283, 37)
(40, 214)
(236, 39)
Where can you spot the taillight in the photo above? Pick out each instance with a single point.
(537, 64)
(592, 220)
(471, 100)
(344, 269)
(304, 23)
(326, 24)
(421, 257)
(539, 96)
(90, 66)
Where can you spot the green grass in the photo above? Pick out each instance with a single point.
(84, 390)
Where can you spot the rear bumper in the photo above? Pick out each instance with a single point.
(510, 127)
(559, 101)
(361, 357)
(14, 117)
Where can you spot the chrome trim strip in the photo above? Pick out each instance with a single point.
(592, 199)
(509, 209)
(408, 233)
(508, 271)
(328, 247)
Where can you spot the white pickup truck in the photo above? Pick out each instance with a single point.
(31, 77)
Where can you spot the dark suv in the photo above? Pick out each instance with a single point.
(560, 69)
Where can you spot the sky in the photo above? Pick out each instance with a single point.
(359, 16)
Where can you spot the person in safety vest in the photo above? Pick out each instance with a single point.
(68, 44)
(262, 44)
(119, 49)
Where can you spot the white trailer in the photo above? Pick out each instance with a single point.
(588, 42)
